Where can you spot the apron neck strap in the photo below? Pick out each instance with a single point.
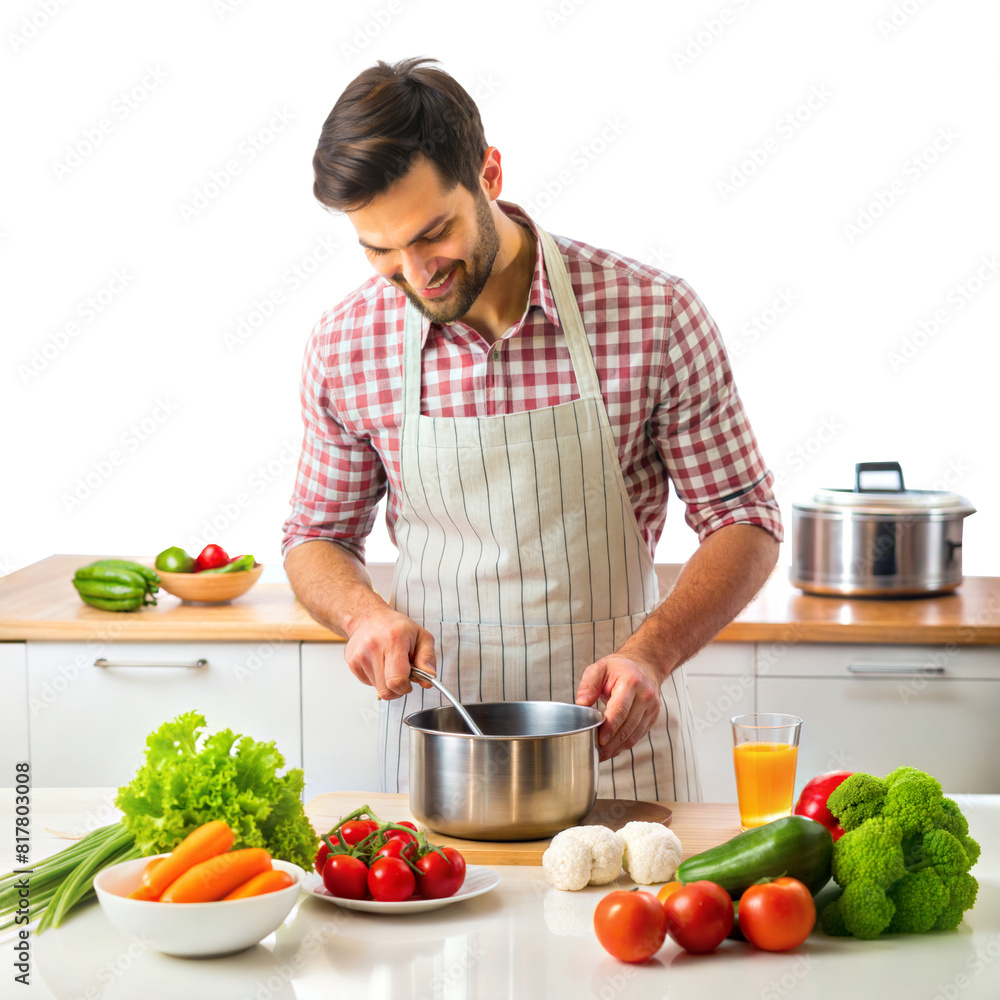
(413, 325)
(570, 319)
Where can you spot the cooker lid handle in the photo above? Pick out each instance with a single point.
(862, 467)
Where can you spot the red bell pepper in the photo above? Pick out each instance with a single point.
(812, 801)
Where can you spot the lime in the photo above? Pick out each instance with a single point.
(175, 560)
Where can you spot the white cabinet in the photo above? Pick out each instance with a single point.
(90, 706)
(874, 708)
(720, 684)
(339, 724)
(13, 706)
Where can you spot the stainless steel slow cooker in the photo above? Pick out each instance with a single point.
(878, 542)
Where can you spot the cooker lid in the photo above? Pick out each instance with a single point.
(880, 495)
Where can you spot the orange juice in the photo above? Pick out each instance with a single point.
(765, 781)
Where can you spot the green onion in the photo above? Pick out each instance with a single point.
(62, 881)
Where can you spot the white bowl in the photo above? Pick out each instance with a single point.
(193, 930)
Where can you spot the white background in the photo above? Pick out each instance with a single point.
(620, 123)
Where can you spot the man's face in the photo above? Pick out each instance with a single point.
(437, 245)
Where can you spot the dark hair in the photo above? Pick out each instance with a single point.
(384, 119)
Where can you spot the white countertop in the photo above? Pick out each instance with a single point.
(522, 940)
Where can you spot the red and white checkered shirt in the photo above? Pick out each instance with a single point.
(664, 375)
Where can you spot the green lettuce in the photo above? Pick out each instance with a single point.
(232, 778)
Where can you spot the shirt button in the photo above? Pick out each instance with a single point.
(496, 355)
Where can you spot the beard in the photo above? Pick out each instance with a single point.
(471, 276)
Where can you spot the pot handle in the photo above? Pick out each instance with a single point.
(862, 467)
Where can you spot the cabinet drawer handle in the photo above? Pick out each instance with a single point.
(895, 668)
(148, 663)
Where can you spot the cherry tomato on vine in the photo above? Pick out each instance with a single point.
(699, 916)
(440, 876)
(406, 838)
(630, 925)
(345, 876)
(778, 915)
(390, 880)
(355, 830)
(397, 848)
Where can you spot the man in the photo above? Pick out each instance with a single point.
(525, 401)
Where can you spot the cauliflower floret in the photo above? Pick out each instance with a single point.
(652, 852)
(583, 855)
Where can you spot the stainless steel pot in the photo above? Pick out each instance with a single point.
(878, 542)
(533, 774)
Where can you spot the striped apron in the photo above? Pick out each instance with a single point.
(520, 553)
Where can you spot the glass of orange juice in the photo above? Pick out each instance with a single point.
(765, 751)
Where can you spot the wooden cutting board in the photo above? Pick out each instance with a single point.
(699, 825)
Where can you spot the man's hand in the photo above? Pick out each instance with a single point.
(631, 690)
(383, 645)
(383, 648)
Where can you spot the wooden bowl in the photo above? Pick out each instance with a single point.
(209, 588)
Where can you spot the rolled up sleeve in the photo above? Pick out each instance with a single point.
(702, 430)
(340, 478)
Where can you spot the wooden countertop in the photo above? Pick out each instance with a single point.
(39, 603)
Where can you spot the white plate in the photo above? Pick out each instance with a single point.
(477, 881)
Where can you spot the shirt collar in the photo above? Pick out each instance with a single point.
(540, 293)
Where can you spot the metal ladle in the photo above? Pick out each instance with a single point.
(422, 675)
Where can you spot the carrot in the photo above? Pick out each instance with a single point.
(143, 891)
(205, 842)
(217, 877)
(270, 881)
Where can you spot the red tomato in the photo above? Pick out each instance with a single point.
(630, 925)
(667, 890)
(397, 848)
(440, 877)
(211, 557)
(406, 838)
(699, 916)
(391, 880)
(812, 801)
(778, 915)
(345, 876)
(355, 830)
(321, 856)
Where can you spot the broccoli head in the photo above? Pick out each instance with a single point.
(971, 848)
(904, 861)
(862, 909)
(856, 799)
(944, 852)
(832, 920)
(919, 898)
(962, 892)
(870, 853)
(952, 819)
(914, 800)
(955, 822)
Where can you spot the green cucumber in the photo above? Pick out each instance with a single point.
(793, 845)
(111, 574)
(151, 575)
(109, 590)
(108, 604)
